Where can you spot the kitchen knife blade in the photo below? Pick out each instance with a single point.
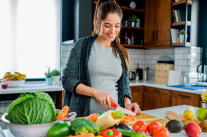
(126, 111)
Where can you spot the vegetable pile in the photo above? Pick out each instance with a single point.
(32, 108)
(103, 124)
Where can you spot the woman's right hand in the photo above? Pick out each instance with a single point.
(104, 98)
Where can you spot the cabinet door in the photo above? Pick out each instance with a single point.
(157, 23)
(148, 98)
(149, 23)
(136, 92)
(163, 16)
(182, 98)
(162, 98)
(156, 98)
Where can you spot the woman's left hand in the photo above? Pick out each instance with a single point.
(134, 107)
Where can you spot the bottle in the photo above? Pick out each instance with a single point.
(129, 41)
(137, 77)
(126, 38)
(132, 39)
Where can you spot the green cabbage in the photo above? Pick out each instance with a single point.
(32, 108)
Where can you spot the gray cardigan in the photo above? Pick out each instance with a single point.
(76, 72)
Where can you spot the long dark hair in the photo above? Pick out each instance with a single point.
(103, 8)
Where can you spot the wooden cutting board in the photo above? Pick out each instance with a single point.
(148, 119)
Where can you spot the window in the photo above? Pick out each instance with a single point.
(30, 36)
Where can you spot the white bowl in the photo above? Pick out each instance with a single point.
(14, 83)
(35, 130)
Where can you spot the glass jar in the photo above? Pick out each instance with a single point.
(186, 79)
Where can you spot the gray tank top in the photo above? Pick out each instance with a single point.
(104, 70)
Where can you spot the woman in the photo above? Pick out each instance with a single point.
(96, 73)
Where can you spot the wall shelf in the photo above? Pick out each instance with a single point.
(132, 46)
(182, 23)
(129, 27)
(136, 10)
(177, 44)
(182, 2)
(187, 44)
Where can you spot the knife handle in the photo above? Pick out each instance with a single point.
(113, 105)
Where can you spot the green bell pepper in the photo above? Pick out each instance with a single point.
(131, 134)
(59, 130)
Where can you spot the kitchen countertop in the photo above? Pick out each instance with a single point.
(41, 86)
(32, 87)
(154, 112)
(178, 109)
(164, 86)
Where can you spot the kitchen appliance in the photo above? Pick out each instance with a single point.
(132, 75)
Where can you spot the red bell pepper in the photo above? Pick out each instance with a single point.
(111, 133)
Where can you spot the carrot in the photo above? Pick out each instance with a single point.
(93, 117)
(63, 113)
(128, 119)
(86, 135)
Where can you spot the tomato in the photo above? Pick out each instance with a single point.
(152, 126)
(161, 132)
(140, 126)
(59, 130)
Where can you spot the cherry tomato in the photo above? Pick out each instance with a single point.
(140, 126)
(161, 132)
(152, 126)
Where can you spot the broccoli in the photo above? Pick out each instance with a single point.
(83, 126)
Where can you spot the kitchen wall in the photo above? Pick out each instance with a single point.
(186, 58)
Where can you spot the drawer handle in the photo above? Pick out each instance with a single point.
(156, 91)
(184, 96)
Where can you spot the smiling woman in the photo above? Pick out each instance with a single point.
(30, 36)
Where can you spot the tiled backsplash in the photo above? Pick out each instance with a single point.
(185, 58)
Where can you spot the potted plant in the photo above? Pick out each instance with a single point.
(181, 35)
(48, 77)
(133, 20)
(56, 76)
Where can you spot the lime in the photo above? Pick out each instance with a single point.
(201, 114)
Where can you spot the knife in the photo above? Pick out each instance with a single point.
(126, 111)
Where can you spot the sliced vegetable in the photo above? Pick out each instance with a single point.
(140, 127)
(111, 133)
(86, 135)
(63, 114)
(117, 114)
(93, 117)
(59, 130)
(109, 118)
(128, 119)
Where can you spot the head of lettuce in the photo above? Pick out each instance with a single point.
(32, 108)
